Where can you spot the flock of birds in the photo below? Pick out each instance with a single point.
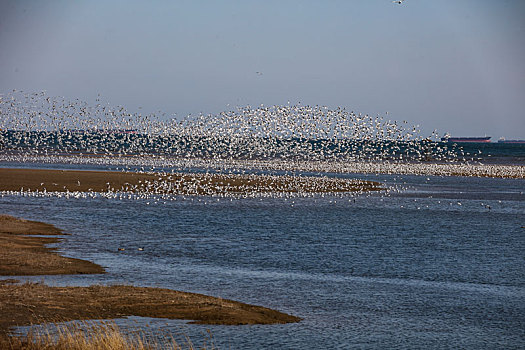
(291, 140)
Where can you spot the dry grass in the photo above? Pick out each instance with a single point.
(101, 336)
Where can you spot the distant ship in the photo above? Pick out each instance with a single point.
(116, 131)
(448, 138)
(502, 140)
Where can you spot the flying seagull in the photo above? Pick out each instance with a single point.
(399, 2)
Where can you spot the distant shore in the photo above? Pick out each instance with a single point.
(22, 252)
(15, 179)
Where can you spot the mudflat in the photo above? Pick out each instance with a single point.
(21, 253)
(45, 180)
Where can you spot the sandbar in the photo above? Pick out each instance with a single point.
(45, 180)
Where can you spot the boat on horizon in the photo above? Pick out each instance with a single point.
(502, 140)
(448, 138)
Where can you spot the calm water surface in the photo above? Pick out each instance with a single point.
(441, 264)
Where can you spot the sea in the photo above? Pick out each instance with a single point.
(435, 263)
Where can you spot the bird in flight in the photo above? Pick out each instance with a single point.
(399, 2)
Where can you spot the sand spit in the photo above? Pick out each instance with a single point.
(43, 180)
(24, 254)
(29, 303)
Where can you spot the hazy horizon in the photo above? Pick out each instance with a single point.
(455, 66)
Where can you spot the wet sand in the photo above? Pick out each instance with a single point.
(187, 184)
(23, 304)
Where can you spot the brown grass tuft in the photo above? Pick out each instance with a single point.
(100, 335)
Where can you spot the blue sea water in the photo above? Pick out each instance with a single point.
(74, 142)
(438, 265)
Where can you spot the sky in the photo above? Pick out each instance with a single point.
(457, 66)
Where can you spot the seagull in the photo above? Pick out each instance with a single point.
(399, 2)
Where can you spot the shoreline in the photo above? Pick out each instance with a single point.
(23, 304)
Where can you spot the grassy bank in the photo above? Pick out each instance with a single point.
(102, 335)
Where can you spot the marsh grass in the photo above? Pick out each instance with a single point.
(102, 335)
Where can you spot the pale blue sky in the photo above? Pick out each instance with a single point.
(453, 65)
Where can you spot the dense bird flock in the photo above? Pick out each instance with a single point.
(290, 140)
